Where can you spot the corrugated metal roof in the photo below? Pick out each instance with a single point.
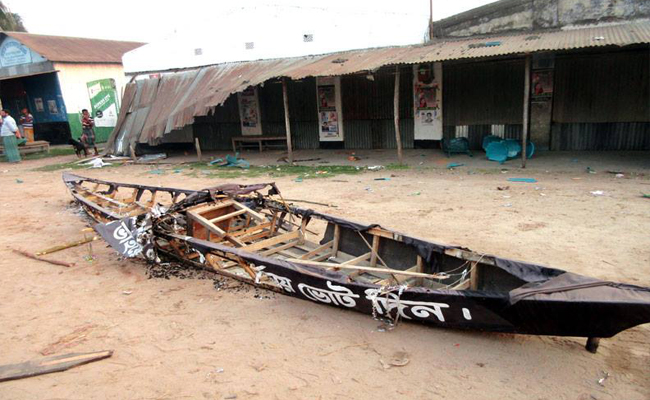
(74, 49)
(183, 95)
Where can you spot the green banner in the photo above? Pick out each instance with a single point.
(103, 100)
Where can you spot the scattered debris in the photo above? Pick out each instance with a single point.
(127, 292)
(152, 157)
(34, 257)
(590, 171)
(597, 193)
(382, 179)
(231, 161)
(96, 163)
(298, 179)
(49, 364)
(415, 194)
(620, 176)
(157, 172)
(286, 159)
(645, 195)
(503, 187)
(73, 338)
(19, 181)
(321, 172)
(376, 167)
(602, 380)
(526, 180)
(258, 367)
(453, 165)
(399, 359)
(312, 202)
(353, 158)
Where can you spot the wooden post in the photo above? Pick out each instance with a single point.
(198, 149)
(287, 124)
(398, 136)
(524, 133)
(430, 20)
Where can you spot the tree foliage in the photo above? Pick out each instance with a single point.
(10, 21)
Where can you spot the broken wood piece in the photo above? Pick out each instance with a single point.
(49, 364)
(34, 257)
(368, 269)
(312, 202)
(67, 246)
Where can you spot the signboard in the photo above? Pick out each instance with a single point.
(427, 101)
(103, 102)
(330, 125)
(12, 52)
(249, 112)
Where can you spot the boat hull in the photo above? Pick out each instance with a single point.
(458, 309)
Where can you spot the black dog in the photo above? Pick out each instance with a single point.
(78, 147)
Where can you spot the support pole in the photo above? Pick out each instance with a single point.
(199, 156)
(524, 133)
(430, 20)
(287, 124)
(592, 344)
(398, 136)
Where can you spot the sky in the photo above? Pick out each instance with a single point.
(150, 21)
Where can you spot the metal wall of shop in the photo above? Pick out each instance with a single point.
(302, 111)
(216, 130)
(368, 117)
(476, 133)
(602, 101)
(601, 136)
(483, 93)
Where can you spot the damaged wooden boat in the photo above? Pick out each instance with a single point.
(255, 237)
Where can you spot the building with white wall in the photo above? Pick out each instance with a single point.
(273, 31)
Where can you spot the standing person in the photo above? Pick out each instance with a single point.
(87, 127)
(27, 123)
(9, 133)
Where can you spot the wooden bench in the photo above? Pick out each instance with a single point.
(260, 140)
(30, 147)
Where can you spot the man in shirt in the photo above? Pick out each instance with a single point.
(88, 133)
(27, 123)
(9, 133)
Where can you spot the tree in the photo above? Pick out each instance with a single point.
(10, 21)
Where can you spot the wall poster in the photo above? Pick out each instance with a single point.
(38, 102)
(542, 85)
(427, 101)
(330, 124)
(51, 106)
(249, 112)
(103, 102)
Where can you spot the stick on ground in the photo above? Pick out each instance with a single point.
(66, 246)
(49, 364)
(32, 256)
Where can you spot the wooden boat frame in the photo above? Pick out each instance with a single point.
(259, 239)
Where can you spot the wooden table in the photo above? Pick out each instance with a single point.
(260, 140)
(30, 147)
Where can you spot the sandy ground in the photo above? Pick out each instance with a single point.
(182, 338)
